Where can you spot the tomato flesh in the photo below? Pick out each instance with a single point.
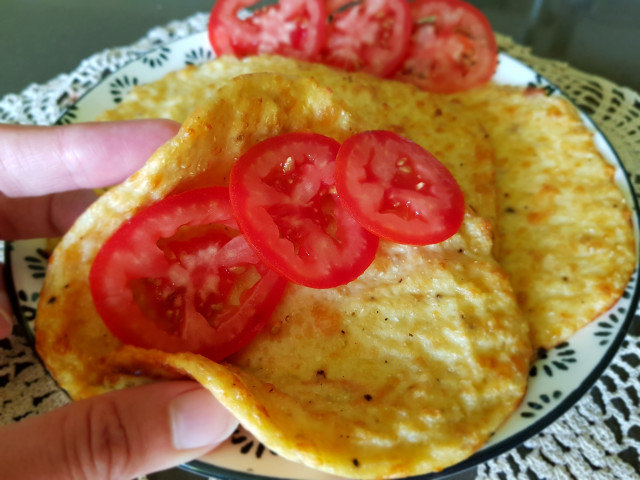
(293, 28)
(178, 276)
(370, 36)
(452, 47)
(397, 190)
(283, 194)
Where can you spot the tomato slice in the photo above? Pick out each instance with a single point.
(283, 194)
(397, 190)
(370, 36)
(178, 276)
(452, 47)
(293, 28)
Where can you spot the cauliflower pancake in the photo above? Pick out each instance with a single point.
(406, 370)
(564, 228)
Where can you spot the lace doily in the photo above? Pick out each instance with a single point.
(598, 438)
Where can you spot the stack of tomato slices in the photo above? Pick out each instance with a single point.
(203, 270)
(441, 46)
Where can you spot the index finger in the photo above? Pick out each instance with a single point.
(43, 160)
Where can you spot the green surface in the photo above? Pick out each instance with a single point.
(41, 39)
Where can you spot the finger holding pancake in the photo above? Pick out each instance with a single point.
(197, 156)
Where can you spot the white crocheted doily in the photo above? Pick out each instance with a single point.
(598, 438)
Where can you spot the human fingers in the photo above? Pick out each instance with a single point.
(46, 216)
(6, 319)
(43, 160)
(118, 435)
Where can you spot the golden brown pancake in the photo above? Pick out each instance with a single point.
(564, 228)
(406, 370)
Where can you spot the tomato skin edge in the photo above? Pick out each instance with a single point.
(263, 246)
(126, 320)
(351, 204)
(221, 38)
(283, 271)
(402, 35)
(456, 85)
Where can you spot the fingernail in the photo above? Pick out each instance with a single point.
(198, 420)
(6, 324)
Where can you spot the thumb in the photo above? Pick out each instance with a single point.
(6, 319)
(118, 435)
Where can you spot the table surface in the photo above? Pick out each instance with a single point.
(41, 39)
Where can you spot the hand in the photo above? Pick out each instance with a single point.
(122, 434)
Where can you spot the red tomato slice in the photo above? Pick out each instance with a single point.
(283, 194)
(293, 28)
(179, 277)
(370, 36)
(397, 190)
(452, 47)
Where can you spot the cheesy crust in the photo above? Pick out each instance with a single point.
(564, 228)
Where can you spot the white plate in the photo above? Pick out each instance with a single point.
(557, 380)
